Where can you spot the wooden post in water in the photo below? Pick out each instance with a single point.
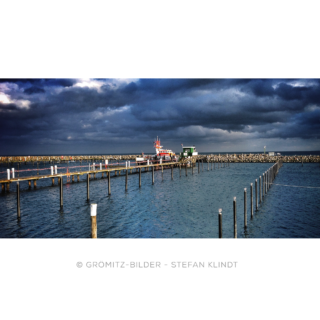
(140, 176)
(260, 189)
(18, 200)
(61, 193)
(186, 169)
(171, 172)
(152, 174)
(235, 216)
(93, 212)
(78, 177)
(245, 207)
(263, 186)
(256, 189)
(34, 184)
(220, 223)
(109, 183)
(127, 180)
(191, 167)
(29, 183)
(251, 189)
(88, 187)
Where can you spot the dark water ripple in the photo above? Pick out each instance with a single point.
(185, 207)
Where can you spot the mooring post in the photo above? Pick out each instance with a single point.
(186, 170)
(152, 174)
(267, 181)
(245, 207)
(35, 184)
(220, 223)
(61, 192)
(259, 189)
(263, 186)
(78, 177)
(140, 177)
(251, 189)
(55, 170)
(235, 216)
(191, 167)
(127, 180)
(171, 172)
(256, 190)
(93, 212)
(18, 200)
(88, 187)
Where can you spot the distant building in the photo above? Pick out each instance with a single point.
(189, 151)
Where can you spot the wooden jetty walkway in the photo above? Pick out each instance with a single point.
(117, 171)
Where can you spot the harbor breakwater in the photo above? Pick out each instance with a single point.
(245, 157)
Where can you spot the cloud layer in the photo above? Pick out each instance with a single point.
(47, 116)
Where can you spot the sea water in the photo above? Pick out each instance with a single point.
(185, 207)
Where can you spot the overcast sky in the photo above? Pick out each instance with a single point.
(109, 116)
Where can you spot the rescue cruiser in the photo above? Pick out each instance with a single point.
(161, 154)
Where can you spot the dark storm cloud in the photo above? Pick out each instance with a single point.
(42, 82)
(33, 90)
(120, 113)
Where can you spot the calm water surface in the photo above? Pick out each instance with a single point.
(185, 207)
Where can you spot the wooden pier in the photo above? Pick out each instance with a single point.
(117, 171)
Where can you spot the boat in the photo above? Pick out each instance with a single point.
(161, 154)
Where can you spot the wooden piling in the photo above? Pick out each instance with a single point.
(61, 193)
(171, 172)
(140, 176)
(192, 168)
(52, 181)
(260, 189)
(73, 178)
(29, 183)
(109, 183)
(235, 217)
(152, 174)
(186, 170)
(263, 186)
(18, 200)
(34, 184)
(78, 177)
(88, 187)
(256, 189)
(220, 223)
(3, 188)
(251, 191)
(93, 213)
(245, 207)
(127, 180)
